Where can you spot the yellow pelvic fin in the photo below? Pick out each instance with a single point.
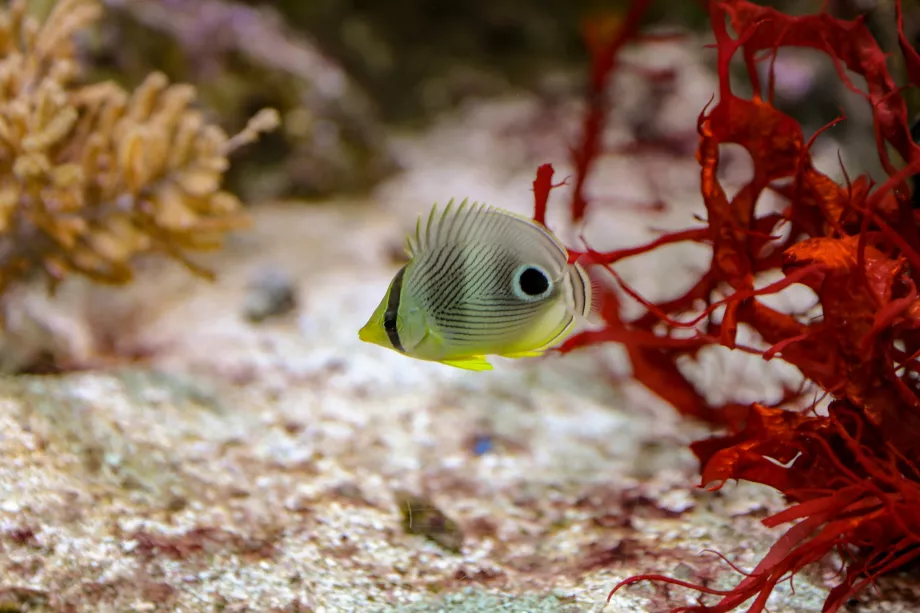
(474, 362)
(522, 354)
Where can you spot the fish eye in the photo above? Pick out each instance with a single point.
(390, 318)
(531, 282)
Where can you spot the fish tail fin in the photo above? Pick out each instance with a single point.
(592, 290)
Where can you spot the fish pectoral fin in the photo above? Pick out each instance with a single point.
(474, 362)
(522, 354)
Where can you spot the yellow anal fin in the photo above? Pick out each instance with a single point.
(522, 354)
(474, 362)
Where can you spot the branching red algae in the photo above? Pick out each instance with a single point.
(850, 476)
(604, 38)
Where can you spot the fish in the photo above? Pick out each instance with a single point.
(482, 281)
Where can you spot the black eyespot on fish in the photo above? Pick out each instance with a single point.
(531, 282)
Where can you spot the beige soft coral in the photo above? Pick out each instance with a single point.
(92, 175)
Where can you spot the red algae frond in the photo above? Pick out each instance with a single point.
(851, 476)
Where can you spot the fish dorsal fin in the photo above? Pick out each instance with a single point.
(466, 222)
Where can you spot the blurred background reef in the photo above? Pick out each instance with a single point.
(340, 71)
(343, 71)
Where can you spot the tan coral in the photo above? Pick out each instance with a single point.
(92, 175)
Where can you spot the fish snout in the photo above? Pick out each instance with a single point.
(373, 332)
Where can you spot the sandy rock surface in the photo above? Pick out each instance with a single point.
(286, 466)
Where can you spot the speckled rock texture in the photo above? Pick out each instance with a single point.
(265, 465)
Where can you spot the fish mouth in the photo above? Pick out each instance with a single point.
(372, 334)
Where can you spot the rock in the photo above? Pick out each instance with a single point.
(271, 293)
(422, 517)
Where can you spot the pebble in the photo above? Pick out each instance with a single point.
(271, 293)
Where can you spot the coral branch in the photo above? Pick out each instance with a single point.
(605, 38)
(92, 175)
(542, 186)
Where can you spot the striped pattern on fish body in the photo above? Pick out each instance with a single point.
(480, 281)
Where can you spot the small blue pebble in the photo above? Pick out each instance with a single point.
(483, 444)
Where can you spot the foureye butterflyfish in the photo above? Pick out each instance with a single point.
(481, 281)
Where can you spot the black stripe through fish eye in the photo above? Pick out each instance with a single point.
(390, 315)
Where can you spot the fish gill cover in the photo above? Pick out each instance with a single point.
(851, 476)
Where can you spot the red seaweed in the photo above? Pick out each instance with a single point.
(850, 476)
(604, 38)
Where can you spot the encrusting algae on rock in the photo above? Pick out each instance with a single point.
(92, 175)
